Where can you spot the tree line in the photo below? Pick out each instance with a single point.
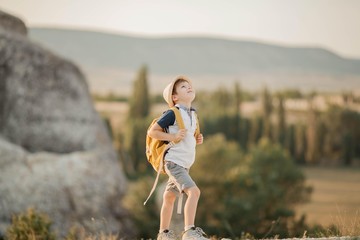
(322, 137)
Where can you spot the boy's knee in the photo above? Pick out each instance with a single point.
(169, 196)
(193, 191)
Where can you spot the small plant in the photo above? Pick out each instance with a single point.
(30, 226)
(347, 224)
(344, 225)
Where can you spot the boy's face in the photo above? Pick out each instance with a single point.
(184, 92)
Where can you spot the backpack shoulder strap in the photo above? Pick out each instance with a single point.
(178, 117)
(180, 121)
(197, 131)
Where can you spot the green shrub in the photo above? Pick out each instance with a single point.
(146, 218)
(242, 194)
(254, 192)
(30, 226)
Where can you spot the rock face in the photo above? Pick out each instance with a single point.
(44, 101)
(12, 24)
(55, 152)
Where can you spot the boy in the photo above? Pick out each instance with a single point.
(179, 158)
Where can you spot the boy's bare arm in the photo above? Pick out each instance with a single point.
(157, 132)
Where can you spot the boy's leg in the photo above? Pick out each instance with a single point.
(193, 195)
(180, 181)
(169, 198)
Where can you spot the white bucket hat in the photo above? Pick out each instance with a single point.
(168, 91)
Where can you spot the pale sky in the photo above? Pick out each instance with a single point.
(331, 24)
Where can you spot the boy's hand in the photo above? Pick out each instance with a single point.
(180, 135)
(199, 139)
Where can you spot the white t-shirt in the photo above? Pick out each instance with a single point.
(182, 153)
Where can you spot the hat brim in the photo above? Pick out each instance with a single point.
(167, 94)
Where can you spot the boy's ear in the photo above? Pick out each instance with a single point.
(174, 97)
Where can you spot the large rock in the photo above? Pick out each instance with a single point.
(12, 23)
(44, 100)
(55, 152)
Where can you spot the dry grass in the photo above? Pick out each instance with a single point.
(347, 226)
(335, 199)
(101, 237)
(79, 233)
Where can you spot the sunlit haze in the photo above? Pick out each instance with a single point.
(331, 24)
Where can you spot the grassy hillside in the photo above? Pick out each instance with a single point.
(195, 55)
(110, 61)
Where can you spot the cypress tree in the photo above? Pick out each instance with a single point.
(290, 140)
(281, 129)
(140, 101)
(245, 132)
(321, 132)
(347, 146)
(300, 143)
(266, 102)
(137, 121)
(237, 129)
(256, 132)
(312, 153)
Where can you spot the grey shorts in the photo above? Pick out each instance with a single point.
(179, 178)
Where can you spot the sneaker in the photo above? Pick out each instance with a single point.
(166, 235)
(194, 234)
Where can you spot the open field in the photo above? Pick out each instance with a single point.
(335, 198)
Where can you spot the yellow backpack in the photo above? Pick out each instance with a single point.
(156, 149)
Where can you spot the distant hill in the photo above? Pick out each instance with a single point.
(111, 61)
